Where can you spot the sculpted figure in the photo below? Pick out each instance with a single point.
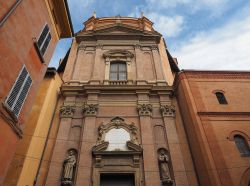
(163, 160)
(68, 168)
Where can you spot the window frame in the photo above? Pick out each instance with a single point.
(221, 98)
(39, 49)
(242, 145)
(117, 71)
(17, 98)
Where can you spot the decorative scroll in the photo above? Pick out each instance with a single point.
(168, 110)
(90, 109)
(145, 109)
(69, 165)
(164, 167)
(67, 111)
(117, 123)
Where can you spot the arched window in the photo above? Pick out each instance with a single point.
(118, 71)
(221, 97)
(242, 145)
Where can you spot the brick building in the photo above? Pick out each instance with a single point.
(29, 31)
(127, 116)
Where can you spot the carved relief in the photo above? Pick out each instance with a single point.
(69, 165)
(117, 123)
(118, 53)
(144, 109)
(90, 109)
(67, 111)
(168, 110)
(164, 167)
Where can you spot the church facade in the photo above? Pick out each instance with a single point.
(127, 116)
(118, 119)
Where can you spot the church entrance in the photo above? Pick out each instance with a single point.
(117, 180)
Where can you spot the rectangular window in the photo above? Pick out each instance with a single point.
(118, 71)
(43, 41)
(19, 91)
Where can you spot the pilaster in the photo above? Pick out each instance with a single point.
(168, 114)
(150, 163)
(88, 139)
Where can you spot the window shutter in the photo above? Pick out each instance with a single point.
(44, 40)
(19, 91)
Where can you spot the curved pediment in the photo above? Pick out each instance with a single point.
(117, 136)
(118, 53)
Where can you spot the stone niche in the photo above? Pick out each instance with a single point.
(117, 151)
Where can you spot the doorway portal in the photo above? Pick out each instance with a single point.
(117, 180)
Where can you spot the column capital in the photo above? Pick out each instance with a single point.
(67, 111)
(90, 109)
(168, 110)
(145, 109)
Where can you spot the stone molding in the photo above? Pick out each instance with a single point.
(118, 53)
(223, 113)
(117, 123)
(90, 109)
(67, 111)
(12, 122)
(167, 110)
(145, 109)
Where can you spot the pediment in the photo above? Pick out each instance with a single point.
(118, 29)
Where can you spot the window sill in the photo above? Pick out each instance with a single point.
(11, 119)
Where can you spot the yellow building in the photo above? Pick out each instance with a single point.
(30, 149)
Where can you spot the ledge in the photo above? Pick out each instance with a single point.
(11, 120)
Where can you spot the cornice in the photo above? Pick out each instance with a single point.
(68, 89)
(215, 74)
(223, 113)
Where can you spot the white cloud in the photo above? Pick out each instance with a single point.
(224, 48)
(166, 3)
(168, 26)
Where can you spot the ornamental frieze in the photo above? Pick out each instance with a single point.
(168, 110)
(90, 109)
(67, 111)
(144, 109)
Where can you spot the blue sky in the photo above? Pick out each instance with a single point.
(202, 34)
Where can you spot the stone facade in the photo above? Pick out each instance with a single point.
(99, 107)
(145, 126)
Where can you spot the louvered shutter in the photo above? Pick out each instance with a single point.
(19, 91)
(44, 40)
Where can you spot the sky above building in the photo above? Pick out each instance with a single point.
(202, 34)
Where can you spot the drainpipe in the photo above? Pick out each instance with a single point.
(8, 14)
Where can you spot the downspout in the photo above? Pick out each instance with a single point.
(8, 14)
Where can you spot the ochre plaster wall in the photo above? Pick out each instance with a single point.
(17, 48)
(30, 148)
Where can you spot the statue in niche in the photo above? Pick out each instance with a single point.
(163, 160)
(68, 168)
